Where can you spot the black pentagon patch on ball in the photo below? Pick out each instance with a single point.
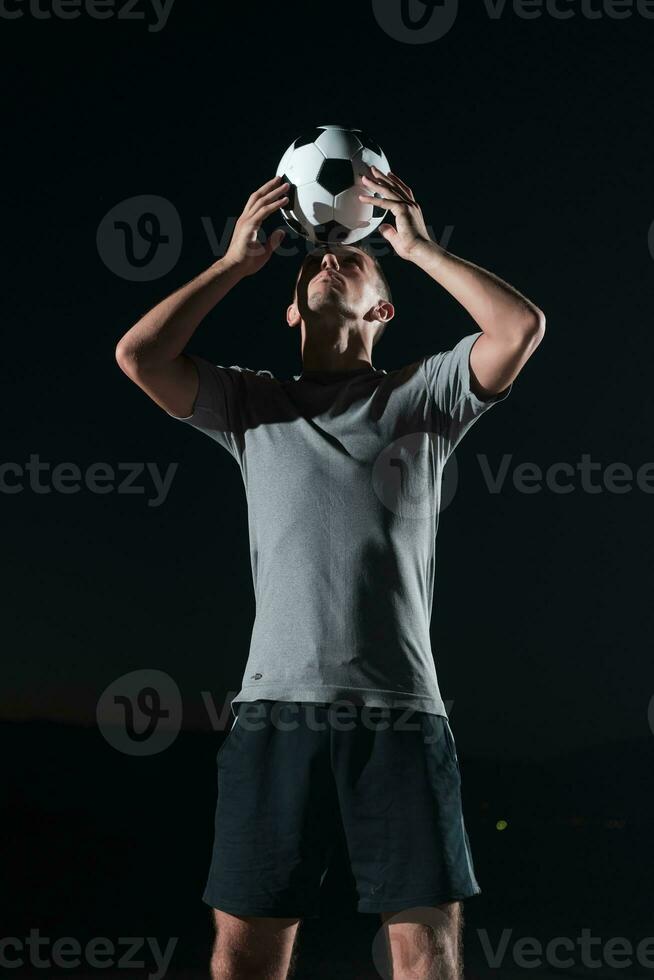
(370, 144)
(309, 137)
(290, 193)
(336, 175)
(332, 232)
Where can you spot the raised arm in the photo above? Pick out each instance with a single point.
(512, 325)
(151, 353)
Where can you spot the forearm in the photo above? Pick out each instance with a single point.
(163, 333)
(497, 308)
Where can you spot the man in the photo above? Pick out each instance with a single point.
(342, 734)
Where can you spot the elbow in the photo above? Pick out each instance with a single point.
(534, 326)
(541, 320)
(125, 358)
(135, 359)
(121, 355)
(525, 329)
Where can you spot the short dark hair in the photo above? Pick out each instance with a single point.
(382, 285)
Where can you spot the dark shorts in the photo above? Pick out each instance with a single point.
(294, 777)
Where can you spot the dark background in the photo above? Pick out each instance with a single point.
(528, 143)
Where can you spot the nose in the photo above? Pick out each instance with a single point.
(329, 261)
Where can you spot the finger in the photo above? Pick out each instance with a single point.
(270, 196)
(379, 180)
(264, 211)
(275, 239)
(396, 181)
(382, 202)
(270, 184)
(384, 185)
(389, 177)
(271, 205)
(405, 187)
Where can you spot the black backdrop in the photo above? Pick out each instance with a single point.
(528, 142)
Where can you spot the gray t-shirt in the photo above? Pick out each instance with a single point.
(342, 473)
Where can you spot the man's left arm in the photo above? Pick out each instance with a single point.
(511, 325)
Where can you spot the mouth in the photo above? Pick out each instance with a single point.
(328, 276)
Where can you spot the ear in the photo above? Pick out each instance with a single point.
(293, 317)
(383, 312)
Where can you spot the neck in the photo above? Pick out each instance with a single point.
(334, 349)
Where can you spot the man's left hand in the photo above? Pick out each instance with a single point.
(397, 197)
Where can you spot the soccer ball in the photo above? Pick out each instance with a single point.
(324, 168)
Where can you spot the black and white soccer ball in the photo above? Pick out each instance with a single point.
(324, 168)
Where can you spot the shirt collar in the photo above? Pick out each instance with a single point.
(326, 376)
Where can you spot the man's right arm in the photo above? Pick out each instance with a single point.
(151, 352)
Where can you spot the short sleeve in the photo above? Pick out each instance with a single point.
(217, 410)
(448, 382)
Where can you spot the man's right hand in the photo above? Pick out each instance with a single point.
(246, 253)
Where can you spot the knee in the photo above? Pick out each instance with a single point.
(245, 958)
(421, 953)
(233, 964)
(426, 943)
(252, 946)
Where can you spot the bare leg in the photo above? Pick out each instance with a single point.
(248, 946)
(425, 943)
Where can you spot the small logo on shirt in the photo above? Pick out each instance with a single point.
(255, 677)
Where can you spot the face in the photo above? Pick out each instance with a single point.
(340, 277)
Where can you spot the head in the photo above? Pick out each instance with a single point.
(341, 301)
